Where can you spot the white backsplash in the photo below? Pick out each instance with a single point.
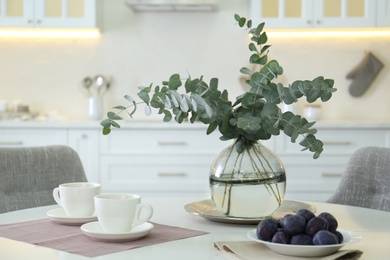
(140, 48)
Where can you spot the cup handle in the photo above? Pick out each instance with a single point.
(138, 220)
(56, 196)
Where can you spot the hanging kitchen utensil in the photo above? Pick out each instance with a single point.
(100, 83)
(87, 82)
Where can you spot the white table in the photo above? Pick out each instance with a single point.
(373, 225)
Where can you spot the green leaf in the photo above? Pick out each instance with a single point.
(113, 116)
(240, 146)
(265, 48)
(106, 130)
(212, 127)
(245, 70)
(144, 96)
(174, 82)
(242, 21)
(106, 123)
(115, 124)
(252, 47)
(167, 116)
(263, 38)
(129, 98)
(120, 107)
(249, 23)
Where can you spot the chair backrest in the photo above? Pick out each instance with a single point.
(366, 180)
(28, 175)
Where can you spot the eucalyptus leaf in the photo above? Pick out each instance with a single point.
(148, 110)
(106, 123)
(184, 106)
(113, 116)
(129, 98)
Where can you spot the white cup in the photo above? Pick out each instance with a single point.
(119, 213)
(76, 198)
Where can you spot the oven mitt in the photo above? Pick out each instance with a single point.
(364, 74)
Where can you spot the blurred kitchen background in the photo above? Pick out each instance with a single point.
(137, 48)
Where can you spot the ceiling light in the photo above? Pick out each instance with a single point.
(50, 33)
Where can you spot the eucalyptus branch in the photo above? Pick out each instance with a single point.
(253, 116)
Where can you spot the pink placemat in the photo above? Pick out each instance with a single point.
(47, 233)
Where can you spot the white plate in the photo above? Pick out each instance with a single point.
(309, 250)
(59, 215)
(95, 231)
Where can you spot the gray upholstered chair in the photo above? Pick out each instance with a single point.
(366, 180)
(28, 175)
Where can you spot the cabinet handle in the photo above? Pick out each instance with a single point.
(308, 21)
(318, 21)
(171, 143)
(11, 142)
(29, 21)
(331, 174)
(39, 21)
(337, 143)
(172, 174)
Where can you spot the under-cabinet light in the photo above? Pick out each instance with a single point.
(368, 33)
(50, 33)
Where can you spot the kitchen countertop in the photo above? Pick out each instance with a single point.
(186, 125)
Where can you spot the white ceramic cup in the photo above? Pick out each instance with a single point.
(120, 212)
(76, 198)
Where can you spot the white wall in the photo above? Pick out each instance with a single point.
(140, 48)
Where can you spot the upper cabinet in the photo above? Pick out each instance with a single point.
(48, 13)
(321, 13)
(383, 12)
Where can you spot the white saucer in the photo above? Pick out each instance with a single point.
(59, 215)
(95, 231)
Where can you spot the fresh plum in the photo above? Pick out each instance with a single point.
(316, 224)
(325, 237)
(306, 214)
(266, 229)
(294, 225)
(339, 236)
(281, 237)
(331, 220)
(301, 239)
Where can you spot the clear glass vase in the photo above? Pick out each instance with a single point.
(250, 184)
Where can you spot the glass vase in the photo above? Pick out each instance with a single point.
(249, 184)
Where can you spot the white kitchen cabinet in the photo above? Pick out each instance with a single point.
(86, 143)
(160, 159)
(156, 161)
(28, 137)
(383, 11)
(317, 179)
(314, 14)
(48, 13)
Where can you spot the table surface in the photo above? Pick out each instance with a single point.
(373, 225)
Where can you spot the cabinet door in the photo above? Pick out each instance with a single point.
(48, 13)
(383, 11)
(65, 13)
(282, 13)
(16, 13)
(314, 14)
(31, 137)
(344, 13)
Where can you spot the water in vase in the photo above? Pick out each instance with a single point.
(248, 198)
